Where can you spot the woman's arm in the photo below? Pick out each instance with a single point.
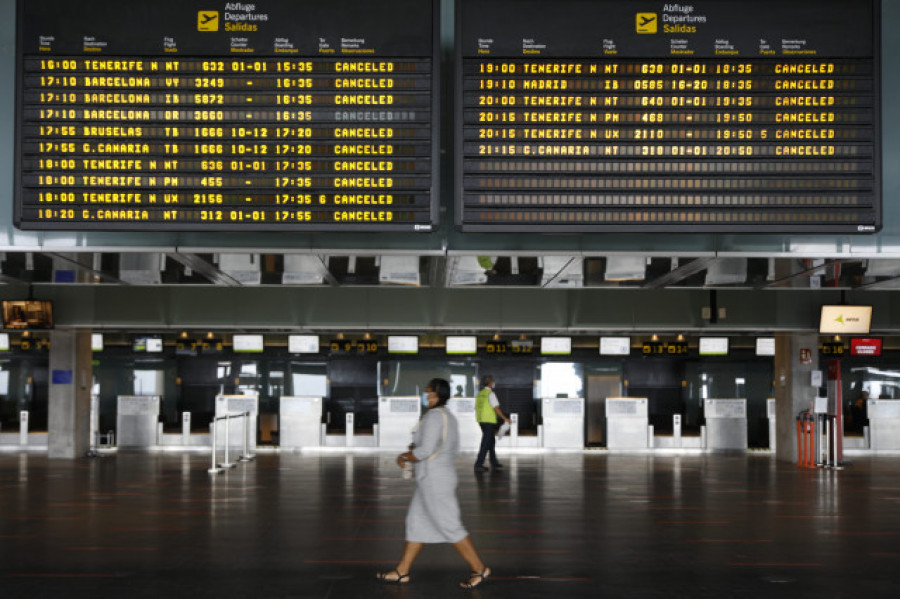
(431, 432)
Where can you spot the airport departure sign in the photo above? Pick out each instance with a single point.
(193, 115)
(713, 116)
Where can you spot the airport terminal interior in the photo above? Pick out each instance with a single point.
(237, 242)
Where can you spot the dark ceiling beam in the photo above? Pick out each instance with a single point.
(102, 276)
(204, 268)
(8, 280)
(802, 273)
(891, 283)
(681, 273)
(322, 262)
(438, 275)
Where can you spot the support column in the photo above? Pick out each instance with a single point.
(796, 357)
(71, 374)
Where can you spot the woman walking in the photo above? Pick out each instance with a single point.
(433, 515)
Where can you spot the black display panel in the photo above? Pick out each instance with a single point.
(752, 116)
(284, 115)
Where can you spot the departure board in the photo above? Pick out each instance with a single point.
(281, 115)
(746, 116)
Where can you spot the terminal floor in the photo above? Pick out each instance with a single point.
(596, 524)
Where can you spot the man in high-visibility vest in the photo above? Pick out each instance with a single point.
(487, 409)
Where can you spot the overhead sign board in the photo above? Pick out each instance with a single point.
(189, 115)
(615, 346)
(845, 320)
(624, 115)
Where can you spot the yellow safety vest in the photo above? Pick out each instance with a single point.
(484, 411)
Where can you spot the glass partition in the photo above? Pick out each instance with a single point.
(409, 377)
(750, 380)
(862, 382)
(308, 379)
(560, 379)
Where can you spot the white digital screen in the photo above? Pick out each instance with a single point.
(713, 346)
(841, 320)
(765, 346)
(96, 341)
(4, 341)
(404, 344)
(462, 345)
(247, 343)
(154, 345)
(556, 346)
(615, 346)
(303, 344)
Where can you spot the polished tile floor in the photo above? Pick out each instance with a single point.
(596, 524)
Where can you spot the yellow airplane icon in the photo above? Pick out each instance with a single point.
(645, 22)
(208, 20)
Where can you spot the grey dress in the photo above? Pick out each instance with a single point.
(433, 515)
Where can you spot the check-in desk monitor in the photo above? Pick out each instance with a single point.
(563, 422)
(136, 420)
(627, 423)
(726, 424)
(300, 421)
(237, 404)
(397, 417)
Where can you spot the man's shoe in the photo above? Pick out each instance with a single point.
(480, 469)
(497, 466)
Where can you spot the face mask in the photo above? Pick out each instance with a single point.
(425, 400)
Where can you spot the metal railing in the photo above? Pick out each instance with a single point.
(246, 456)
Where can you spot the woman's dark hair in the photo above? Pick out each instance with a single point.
(442, 388)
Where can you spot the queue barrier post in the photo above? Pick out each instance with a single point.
(214, 425)
(227, 463)
(246, 456)
(832, 460)
(213, 468)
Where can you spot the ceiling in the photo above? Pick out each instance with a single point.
(538, 271)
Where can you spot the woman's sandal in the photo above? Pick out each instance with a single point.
(479, 577)
(400, 579)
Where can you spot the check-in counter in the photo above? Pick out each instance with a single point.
(884, 424)
(627, 423)
(397, 417)
(469, 431)
(137, 417)
(236, 404)
(300, 422)
(563, 422)
(726, 424)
